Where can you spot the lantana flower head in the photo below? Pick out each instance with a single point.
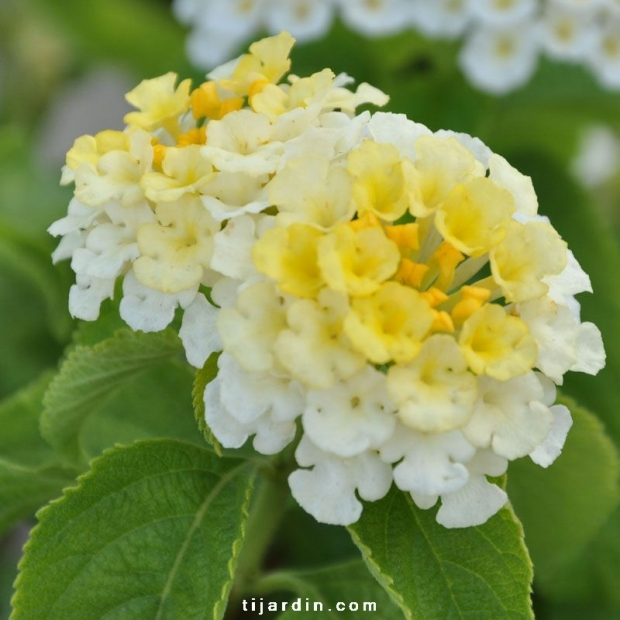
(386, 296)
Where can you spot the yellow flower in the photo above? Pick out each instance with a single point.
(529, 252)
(357, 262)
(289, 256)
(442, 164)
(207, 102)
(109, 166)
(390, 324)
(378, 181)
(184, 172)
(312, 190)
(474, 216)
(497, 344)
(266, 63)
(159, 102)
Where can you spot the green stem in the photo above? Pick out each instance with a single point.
(279, 581)
(266, 514)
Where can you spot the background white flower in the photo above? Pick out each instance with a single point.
(502, 40)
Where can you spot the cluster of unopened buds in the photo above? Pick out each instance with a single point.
(502, 39)
(385, 295)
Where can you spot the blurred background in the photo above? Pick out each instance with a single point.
(555, 115)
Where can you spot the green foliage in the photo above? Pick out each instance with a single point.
(477, 573)
(137, 33)
(169, 521)
(563, 507)
(30, 474)
(89, 374)
(34, 321)
(591, 580)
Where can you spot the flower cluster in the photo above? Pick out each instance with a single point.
(503, 39)
(385, 294)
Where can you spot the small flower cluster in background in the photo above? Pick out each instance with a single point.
(389, 290)
(598, 156)
(502, 39)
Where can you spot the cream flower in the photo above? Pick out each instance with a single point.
(435, 393)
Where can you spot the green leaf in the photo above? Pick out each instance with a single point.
(564, 506)
(475, 573)
(30, 199)
(29, 471)
(153, 530)
(23, 491)
(577, 612)
(323, 593)
(592, 578)
(204, 376)
(156, 403)
(21, 442)
(90, 374)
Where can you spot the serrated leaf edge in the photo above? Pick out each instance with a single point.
(198, 389)
(73, 360)
(75, 488)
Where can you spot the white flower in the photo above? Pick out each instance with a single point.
(231, 194)
(221, 26)
(598, 156)
(502, 12)
(568, 283)
(563, 343)
(604, 56)
(250, 396)
(328, 490)
(305, 19)
(107, 249)
(441, 18)
(479, 499)
(198, 331)
(375, 17)
(353, 416)
(270, 434)
(567, 34)
(87, 294)
(500, 59)
(431, 464)
(147, 309)
(398, 130)
(511, 417)
(232, 248)
(550, 449)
